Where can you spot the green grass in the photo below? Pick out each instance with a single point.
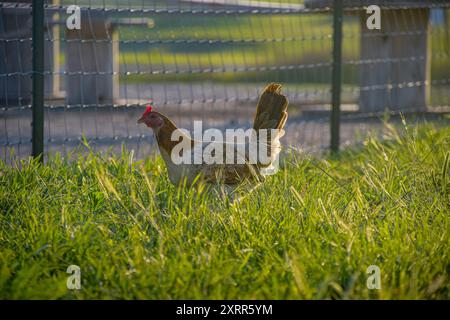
(300, 39)
(307, 39)
(309, 232)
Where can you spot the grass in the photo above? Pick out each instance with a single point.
(246, 42)
(301, 39)
(309, 232)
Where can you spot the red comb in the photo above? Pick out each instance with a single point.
(148, 110)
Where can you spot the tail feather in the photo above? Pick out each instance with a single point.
(271, 113)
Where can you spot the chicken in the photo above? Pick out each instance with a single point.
(271, 113)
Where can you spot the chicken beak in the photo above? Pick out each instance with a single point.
(140, 120)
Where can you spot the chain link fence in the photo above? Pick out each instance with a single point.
(209, 60)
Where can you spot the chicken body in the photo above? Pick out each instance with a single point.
(222, 172)
(270, 114)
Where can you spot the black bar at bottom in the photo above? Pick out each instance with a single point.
(226, 309)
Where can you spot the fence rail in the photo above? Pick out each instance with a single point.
(208, 60)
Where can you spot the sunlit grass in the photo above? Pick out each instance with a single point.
(180, 43)
(310, 231)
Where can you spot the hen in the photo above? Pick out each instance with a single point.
(271, 113)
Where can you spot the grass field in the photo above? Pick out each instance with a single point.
(226, 43)
(309, 232)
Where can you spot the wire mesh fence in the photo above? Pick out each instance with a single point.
(209, 59)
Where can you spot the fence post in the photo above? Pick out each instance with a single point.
(38, 80)
(336, 75)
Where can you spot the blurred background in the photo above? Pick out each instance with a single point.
(209, 60)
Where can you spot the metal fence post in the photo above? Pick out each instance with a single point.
(38, 80)
(336, 75)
